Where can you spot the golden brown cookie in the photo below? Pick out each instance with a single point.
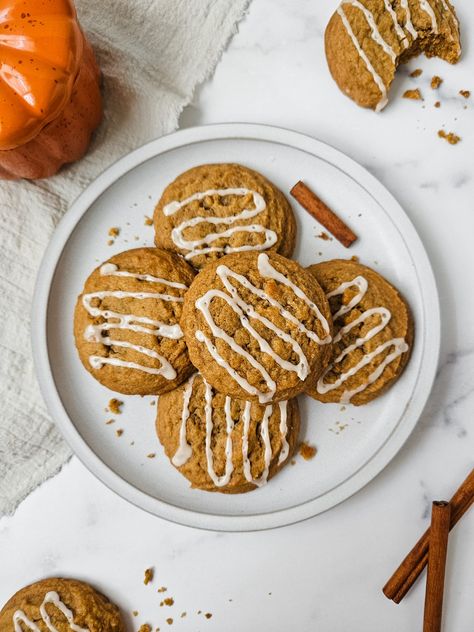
(373, 333)
(213, 210)
(223, 444)
(62, 605)
(366, 40)
(257, 326)
(126, 322)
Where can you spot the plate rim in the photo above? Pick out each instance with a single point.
(253, 522)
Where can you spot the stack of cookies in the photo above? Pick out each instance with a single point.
(220, 323)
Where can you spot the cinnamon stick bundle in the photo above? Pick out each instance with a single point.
(410, 569)
(439, 532)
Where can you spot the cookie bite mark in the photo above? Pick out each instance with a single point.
(222, 444)
(367, 344)
(366, 40)
(213, 210)
(127, 322)
(256, 349)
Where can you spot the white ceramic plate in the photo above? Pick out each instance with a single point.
(353, 444)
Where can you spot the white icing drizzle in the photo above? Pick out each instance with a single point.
(399, 345)
(219, 481)
(184, 451)
(376, 36)
(428, 9)
(264, 433)
(53, 598)
(131, 322)
(398, 29)
(376, 77)
(245, 312)
(195, 246)
(408, 23)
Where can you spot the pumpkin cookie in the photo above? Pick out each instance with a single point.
(61, 605)
(223, 444)
(373, 333)
(213, 210)
(257, 326)
(126, 322)
(366, 40)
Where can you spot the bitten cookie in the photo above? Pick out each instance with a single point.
(213, 210)
(223, 444)
(126, 322)
(366, 40)
(61, 605)
(373, 333)
(257, 326)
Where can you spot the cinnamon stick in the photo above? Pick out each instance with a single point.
(439, 532)
(410, 569)
(323, 214)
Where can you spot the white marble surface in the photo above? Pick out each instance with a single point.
(325, 574)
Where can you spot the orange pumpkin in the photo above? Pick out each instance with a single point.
(50, 99)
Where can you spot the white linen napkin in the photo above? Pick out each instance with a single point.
(152, 54)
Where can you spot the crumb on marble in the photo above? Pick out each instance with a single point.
(208, 615)
(135, 613)
(148, 575)
(355, 258)
(307, 451)
(293, 462)
(162, 589)
(119, 432)
(144, 628)
(115, 406)
(450, 137)
(416, 73)
(169, 601)
(110, 421)
(437, 104)
(110, 242)
(183, 614)
(148, 221)
(153, 403)
(169, 621)
(151, 455)
(465, 93)
(413, 94)
(136, 237)
(436, 82)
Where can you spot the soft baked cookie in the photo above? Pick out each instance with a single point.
(366, 40)
(373, 333)
(213, 210)
(223, 444)
(61, 605)
(126, 322)
(257, 326)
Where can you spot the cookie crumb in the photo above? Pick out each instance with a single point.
(293, 462)
(114, 231)
(413, 94)
(110, 421)
(169, 621)
(208, 615)
(465, 93)
(148, 576)
(451, 137)
(162, 589)
(110, 242)
(144, 628)
(114, 406)
(135, 613)
(119, 432)
(199, 611)
(355, 258)
(436, 82)
(307, 451)
(324, 236)
(169, 601)
(148, 221)
(136, 237)
(151, 455)
(153, 403)
(183, 614)
(437, 104)
(416, 73)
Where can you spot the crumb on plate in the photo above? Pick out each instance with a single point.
(436, 82)
(148, 576)
(451, 137)
(115, 405)
(413, 94)
(307, 451)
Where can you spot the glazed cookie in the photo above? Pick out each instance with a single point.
(366, 40)
(257, 326)
(60, 605)
(223, 444)
(126, 322)
(213, 210)
(373, 333)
